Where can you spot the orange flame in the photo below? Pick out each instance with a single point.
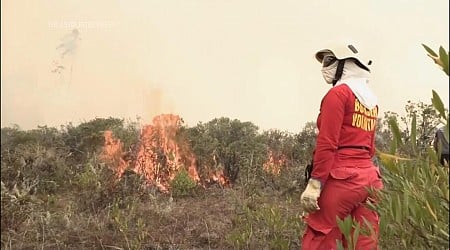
(112, 154)
(274, 164)
(217, 175)
(220, 178)
(159, 157)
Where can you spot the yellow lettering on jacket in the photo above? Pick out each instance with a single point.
(363, 117)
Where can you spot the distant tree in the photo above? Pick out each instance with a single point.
(417, 128)
(306, 142)
(282, 144)
(229, 144)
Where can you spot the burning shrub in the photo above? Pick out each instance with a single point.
(274, 163)
(159, 154)
(226, 145)
(87, 138)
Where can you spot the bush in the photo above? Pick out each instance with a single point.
(415, 204)
(87, 138)
(17, 204)
(182, 185)
(45, 167)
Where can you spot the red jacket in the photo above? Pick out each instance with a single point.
(343, 123)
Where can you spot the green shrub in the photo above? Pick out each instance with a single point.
(98, 188)
(415, 203)
(34, 163)
(86, 139)
(182, 185)
(17, 204)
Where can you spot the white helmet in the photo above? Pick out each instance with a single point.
(345, 52)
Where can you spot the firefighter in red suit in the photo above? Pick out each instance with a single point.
(343, 178)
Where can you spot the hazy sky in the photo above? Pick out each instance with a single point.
(201, 59)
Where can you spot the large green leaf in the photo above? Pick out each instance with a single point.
(429, 50)
(396, 131)
(393, 147)
(438, 104)
(443, 56)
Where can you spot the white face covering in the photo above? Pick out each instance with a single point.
(357, 80)
(329, 72)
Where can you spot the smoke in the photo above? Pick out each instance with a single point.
(69, 43)
(66, 48)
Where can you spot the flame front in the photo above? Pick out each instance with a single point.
(274, 164)
(158, 158)
(219, 177)
(160, 155)
(112, 154)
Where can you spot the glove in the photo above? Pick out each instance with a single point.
(308, 200)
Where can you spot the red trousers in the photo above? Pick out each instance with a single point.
(345, 193)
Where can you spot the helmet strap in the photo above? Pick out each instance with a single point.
(339, 70)
(362, 65)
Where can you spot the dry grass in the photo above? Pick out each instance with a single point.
(205, 220)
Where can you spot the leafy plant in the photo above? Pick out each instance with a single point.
(182, 185)
(351, 231)
(415, 204)
(441, 59)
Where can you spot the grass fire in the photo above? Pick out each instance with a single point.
(111, 183)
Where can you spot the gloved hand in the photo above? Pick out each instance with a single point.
(309, 197)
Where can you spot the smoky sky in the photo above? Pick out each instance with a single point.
(70, 61)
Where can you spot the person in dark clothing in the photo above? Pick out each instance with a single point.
(440, 144)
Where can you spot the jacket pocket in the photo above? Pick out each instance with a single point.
(342, 173)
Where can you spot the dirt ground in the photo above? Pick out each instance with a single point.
(205, 221)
